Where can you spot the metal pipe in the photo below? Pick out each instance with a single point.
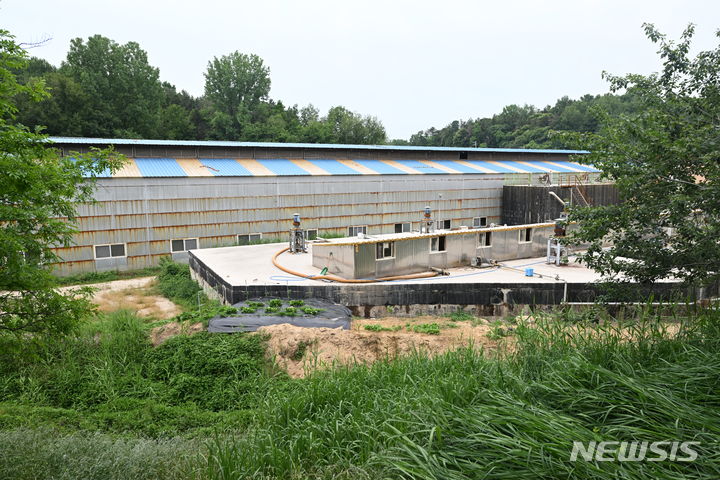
(562, 202)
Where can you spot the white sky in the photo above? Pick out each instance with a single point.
(411, 63)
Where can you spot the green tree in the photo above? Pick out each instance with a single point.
(235, 85)
(352, 128)
(123, 90)
(665, 161)
(39, 191)
(63, 112)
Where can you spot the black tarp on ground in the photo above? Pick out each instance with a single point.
(332, 316)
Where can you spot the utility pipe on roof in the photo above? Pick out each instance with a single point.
(333, 278)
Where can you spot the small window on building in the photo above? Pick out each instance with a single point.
(526, 235)
(463, 155)
(384, 250)
(249, 239)
(354, 230)
(311, 234)
(403, 227)
(479, 222)
(444, 224)
(437, 244)
(485, 239)
(110, 251)
(183, 244)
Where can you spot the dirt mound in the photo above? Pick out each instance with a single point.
(301, 350)
(159, 334)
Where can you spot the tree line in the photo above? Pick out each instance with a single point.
(528, 126)
(105, 89)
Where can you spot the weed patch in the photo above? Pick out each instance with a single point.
(107, 276)
(376, 327)
(426, 328)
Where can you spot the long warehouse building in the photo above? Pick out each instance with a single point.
(174, 196)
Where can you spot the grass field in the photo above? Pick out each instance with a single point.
(106, 404)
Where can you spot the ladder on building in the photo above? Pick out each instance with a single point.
(578, 190)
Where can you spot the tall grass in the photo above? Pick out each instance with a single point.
(464, 415)
(47, 454)
(110, 378)
(106, 276)
(175, 283)
(461, 415)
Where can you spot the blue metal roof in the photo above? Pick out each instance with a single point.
(225, 167)
(159, 167)
(282, 166)
(213, 167)
(333, 167)
(380, 167)
(419, 166)
(209, 143)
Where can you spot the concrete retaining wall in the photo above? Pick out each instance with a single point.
(489, 299)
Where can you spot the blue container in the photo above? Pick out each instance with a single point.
(529, 272)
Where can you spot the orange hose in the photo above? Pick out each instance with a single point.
(346, 280)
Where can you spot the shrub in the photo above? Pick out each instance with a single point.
(214, 371)
(174, 282)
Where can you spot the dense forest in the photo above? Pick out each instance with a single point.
(105, 89)
(527, 126)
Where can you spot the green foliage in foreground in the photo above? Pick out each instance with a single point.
(457, 416)
(39, 195)
(463, 415)
(112, 374)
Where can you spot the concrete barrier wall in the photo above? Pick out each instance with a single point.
(493, 299)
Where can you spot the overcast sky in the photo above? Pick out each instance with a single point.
(413, 64)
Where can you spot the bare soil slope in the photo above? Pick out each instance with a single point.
(303, 350)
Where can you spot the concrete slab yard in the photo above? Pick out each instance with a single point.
(252, 265)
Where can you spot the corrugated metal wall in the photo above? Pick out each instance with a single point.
(146, 213)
